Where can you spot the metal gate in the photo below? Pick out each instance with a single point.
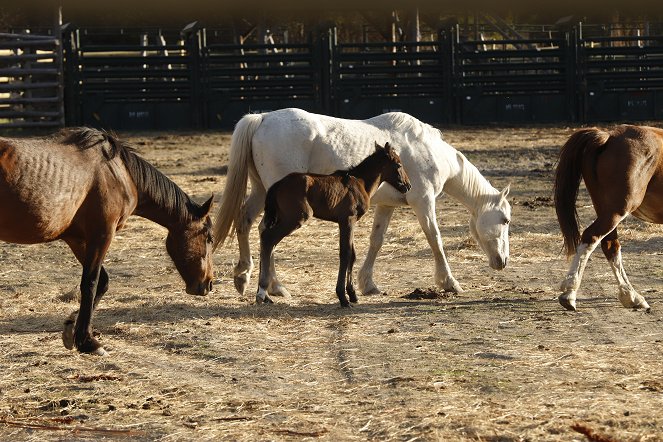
(373, 78)
(30, 81)
(622, 78)
(515, 81)
(130, 80)
(238, 79)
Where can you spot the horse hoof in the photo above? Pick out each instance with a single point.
(68, 332)
(265, 300)
(279, 290)
(569, 304)
(241, 282)
(372, 292)
(100, 352)
(68, 336)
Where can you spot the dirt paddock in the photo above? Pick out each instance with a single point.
(501, 361)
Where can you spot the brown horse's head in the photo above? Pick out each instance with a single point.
(190, 247)
(394, 173)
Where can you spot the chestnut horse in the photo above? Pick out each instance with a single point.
(342, 197)
(623, 173)
(80, 186)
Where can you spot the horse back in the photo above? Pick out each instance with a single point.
(44, 184)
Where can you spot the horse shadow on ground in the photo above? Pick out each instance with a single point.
(106, 318)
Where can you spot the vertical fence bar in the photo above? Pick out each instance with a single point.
(446, 49)
(71, 54)
(192, 34)
(323, 49)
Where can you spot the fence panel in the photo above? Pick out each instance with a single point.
(514, 81)
(132, 81)
(30, 81)
(623, 78)
(373, 78)
(238, 79)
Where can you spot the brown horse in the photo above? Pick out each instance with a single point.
(342, 197)
(80, 186)
(623, 173)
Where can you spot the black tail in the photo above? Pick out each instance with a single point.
(567, 182)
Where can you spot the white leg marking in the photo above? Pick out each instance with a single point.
(628, 296)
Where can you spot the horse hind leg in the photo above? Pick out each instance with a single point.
(590, 239)
(252, 207)
(628, 296)
(269, 238)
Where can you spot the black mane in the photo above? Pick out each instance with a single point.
(147, 178)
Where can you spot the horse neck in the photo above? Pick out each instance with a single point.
(159, 199)
(469, 187)
(370, 173)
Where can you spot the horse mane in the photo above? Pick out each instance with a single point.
(147, 178)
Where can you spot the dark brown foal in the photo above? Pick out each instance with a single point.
(623, 173)
(342, 197)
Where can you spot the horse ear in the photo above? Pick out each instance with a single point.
(205, 208)
(377, 146)
(505, 192)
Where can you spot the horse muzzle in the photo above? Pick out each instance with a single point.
(498, 262)
(404, 187)
(200, 289)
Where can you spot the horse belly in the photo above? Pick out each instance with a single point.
(651, 210)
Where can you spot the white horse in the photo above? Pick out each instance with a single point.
(267, 147)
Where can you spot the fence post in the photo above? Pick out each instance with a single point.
(192, 34)
(573, 88)
(323, 59)
(447, 59)
(580, 79)
(71, 54)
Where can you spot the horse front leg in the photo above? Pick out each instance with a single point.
(345, 252)
(380, 223)
(589, 240)
(79, 249)
(628, 296)
(252, 207)
(68, 332)
(424, 208)
(92, 264)
(349, 286)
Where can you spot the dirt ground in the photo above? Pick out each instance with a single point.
(501, 361)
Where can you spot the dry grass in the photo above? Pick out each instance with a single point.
(500, 362)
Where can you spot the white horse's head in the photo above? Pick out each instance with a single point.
(490, 228)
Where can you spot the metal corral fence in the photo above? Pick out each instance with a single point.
(31, 81)
(174, 79)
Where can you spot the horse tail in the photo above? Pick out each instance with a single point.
(230, 212)
(271, 217)
(567, 182)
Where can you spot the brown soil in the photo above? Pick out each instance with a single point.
(500, 362)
